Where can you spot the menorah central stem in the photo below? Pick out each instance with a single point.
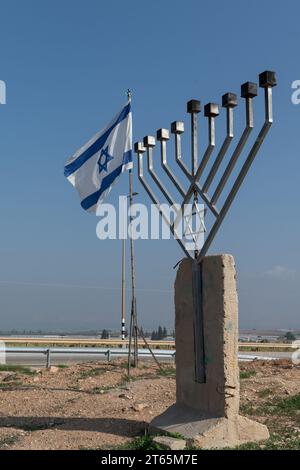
(200, 376)
(194, 143)
(193, 108)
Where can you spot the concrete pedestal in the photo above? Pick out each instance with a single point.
(206, 414)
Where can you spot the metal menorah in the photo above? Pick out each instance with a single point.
(267, 81)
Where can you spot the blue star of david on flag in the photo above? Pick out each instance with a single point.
(103, 166)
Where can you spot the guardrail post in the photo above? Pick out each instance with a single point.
(108, 355)
(48, 357)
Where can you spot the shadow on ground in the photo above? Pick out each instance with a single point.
(121, 427)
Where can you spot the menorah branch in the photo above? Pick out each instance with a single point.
(193, 108)
(140, 150)
(229, 101)
(248, 91)
(149, 144)
(211, 110)
(162, 135)
(177, 128)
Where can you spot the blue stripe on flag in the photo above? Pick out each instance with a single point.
(127, 158)
(96, 146)
(93, 198)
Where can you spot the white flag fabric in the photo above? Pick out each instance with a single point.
(95, 167)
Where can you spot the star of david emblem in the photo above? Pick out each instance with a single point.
(199, 213)
(103, 165)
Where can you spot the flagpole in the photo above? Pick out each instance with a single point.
(134, 330)
(133, 319)
(123, 284)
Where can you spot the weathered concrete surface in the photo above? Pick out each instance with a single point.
(207, 414)
(170, 442)
(220, 395)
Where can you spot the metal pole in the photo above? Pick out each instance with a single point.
(132, 264)
(148, 346)
(48, 364)
(193, 108)
(123, 284)
(194, 143)
(199, 347)
(129, 346)
(133, 317)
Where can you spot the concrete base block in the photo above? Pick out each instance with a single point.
(207, 432)
(207, 412)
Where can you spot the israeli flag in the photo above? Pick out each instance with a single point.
(95, 167)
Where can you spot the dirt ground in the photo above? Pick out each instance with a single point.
(94, 406)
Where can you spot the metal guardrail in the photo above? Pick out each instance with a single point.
(108, 353)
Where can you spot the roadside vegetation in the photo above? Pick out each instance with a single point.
(16, 369)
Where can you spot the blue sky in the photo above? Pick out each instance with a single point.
(67, 66)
